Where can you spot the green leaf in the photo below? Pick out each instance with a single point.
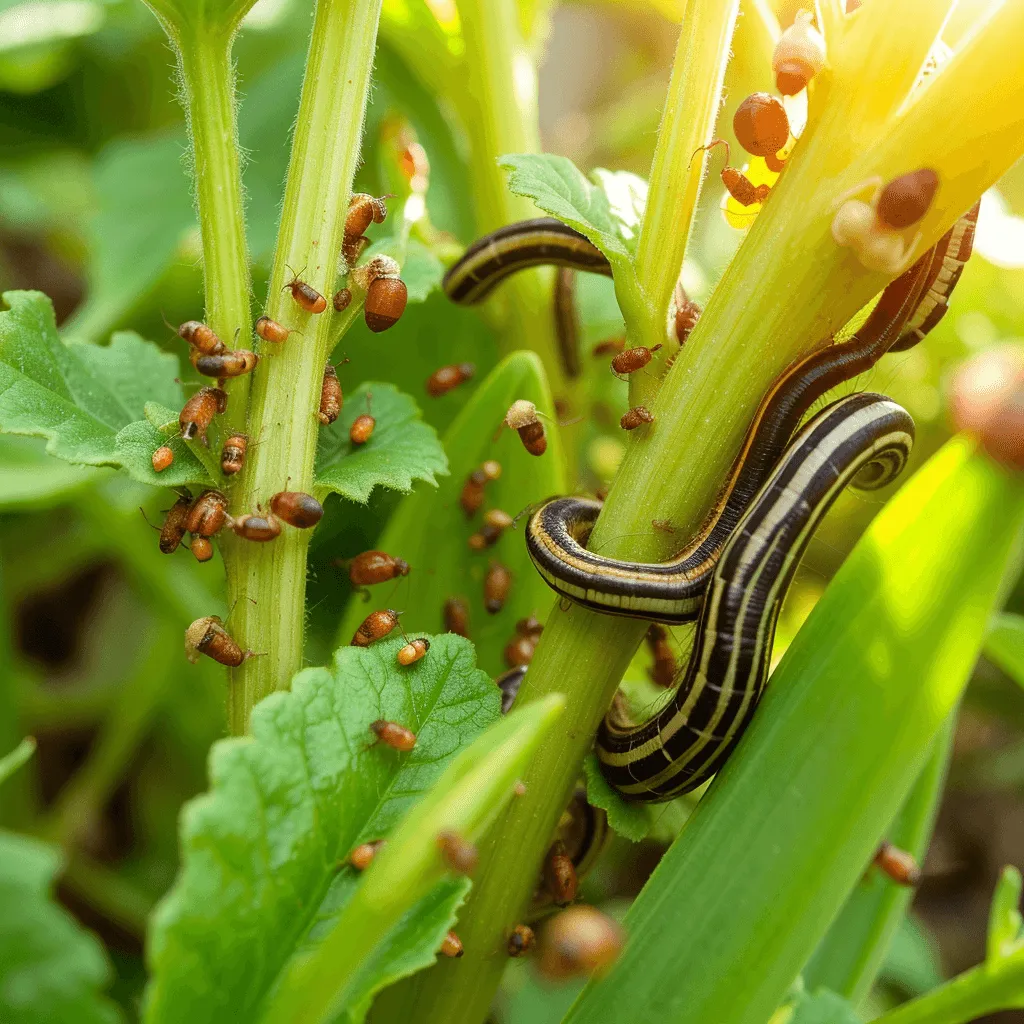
(89, 401)
(824, 1007)
(430, 531)
(260, 851)
(402, 448)
(11, 762)
(422, 271)
(848, 721)
(911, 964)
(631, 821)
(1004, 645)
(473, 791)
(558, 187)
(51, 971)
(1004, 919)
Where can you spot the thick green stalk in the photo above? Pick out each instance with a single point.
(848, 959)
(267, 582)
(970, 996)
(208, 95)
(499, 111)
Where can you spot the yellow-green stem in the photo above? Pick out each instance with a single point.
(267, 582)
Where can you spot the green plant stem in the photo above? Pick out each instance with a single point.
(498, 105)
(267, 582)
(688, 122)
(848, 959)
(208, 95)
(971, 995)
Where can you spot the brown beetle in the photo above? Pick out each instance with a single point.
(174, 528)
(497, 582)
(306, 295)
(522, 417)
(632, 359)
(208, 636)
(451, 946)
(208, 514)
(906, 199)
(456, 616)
(560, 874)
(201, 337)
(362, 856)
(162, 458)
(663, 671)
(375, 627)
(443, 380)
(472, 496)
(580, 940)
(521, 941)
(393, 735)
(413, 651)
(256, 527)
(386, 299)
(330, 396)
(201, 548)
(634, 417)
(232, 455)
(761, 125)
(496, 522)
(519, 650)
(364, 210)
(362, 426)
(227, 364)
(341, 300)
(687, 315)
(459, 854)
(271, 330)
(799, 54)
(898, 865)
(375, 567)
(198, 412)
(297, 509)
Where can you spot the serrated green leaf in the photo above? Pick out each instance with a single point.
(11, 762)
(430, 531)
(260, 851)
(473, 791)
(88, 401)
(824, 1007)
(401, 450)
(51, 971)
(1005, 645)
(1004, 918)
(558, 187)
(631, 821)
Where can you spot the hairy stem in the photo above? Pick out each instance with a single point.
(208, 95)
(267, 582)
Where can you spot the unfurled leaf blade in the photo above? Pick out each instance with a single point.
(264, 853)
(1004, 919)
(51, 971)
(401, 450)
(89, 401)
(824, 1007)
(431, 531)
(1005, 645)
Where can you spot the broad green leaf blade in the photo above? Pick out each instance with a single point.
(431, 531)
(473, 791)
(51, 971)
(88, 401)
(1004, 919)
(1005, 645)
(401, 450)
(11, 762)
(558, 187)
(791, 823)
(824, 1007)
(849, 957)
(261, 851)
(30, 478)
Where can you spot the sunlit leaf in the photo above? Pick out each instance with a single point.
(401, 450)
(1004, 920)
(263, 852)
(1005, 645)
